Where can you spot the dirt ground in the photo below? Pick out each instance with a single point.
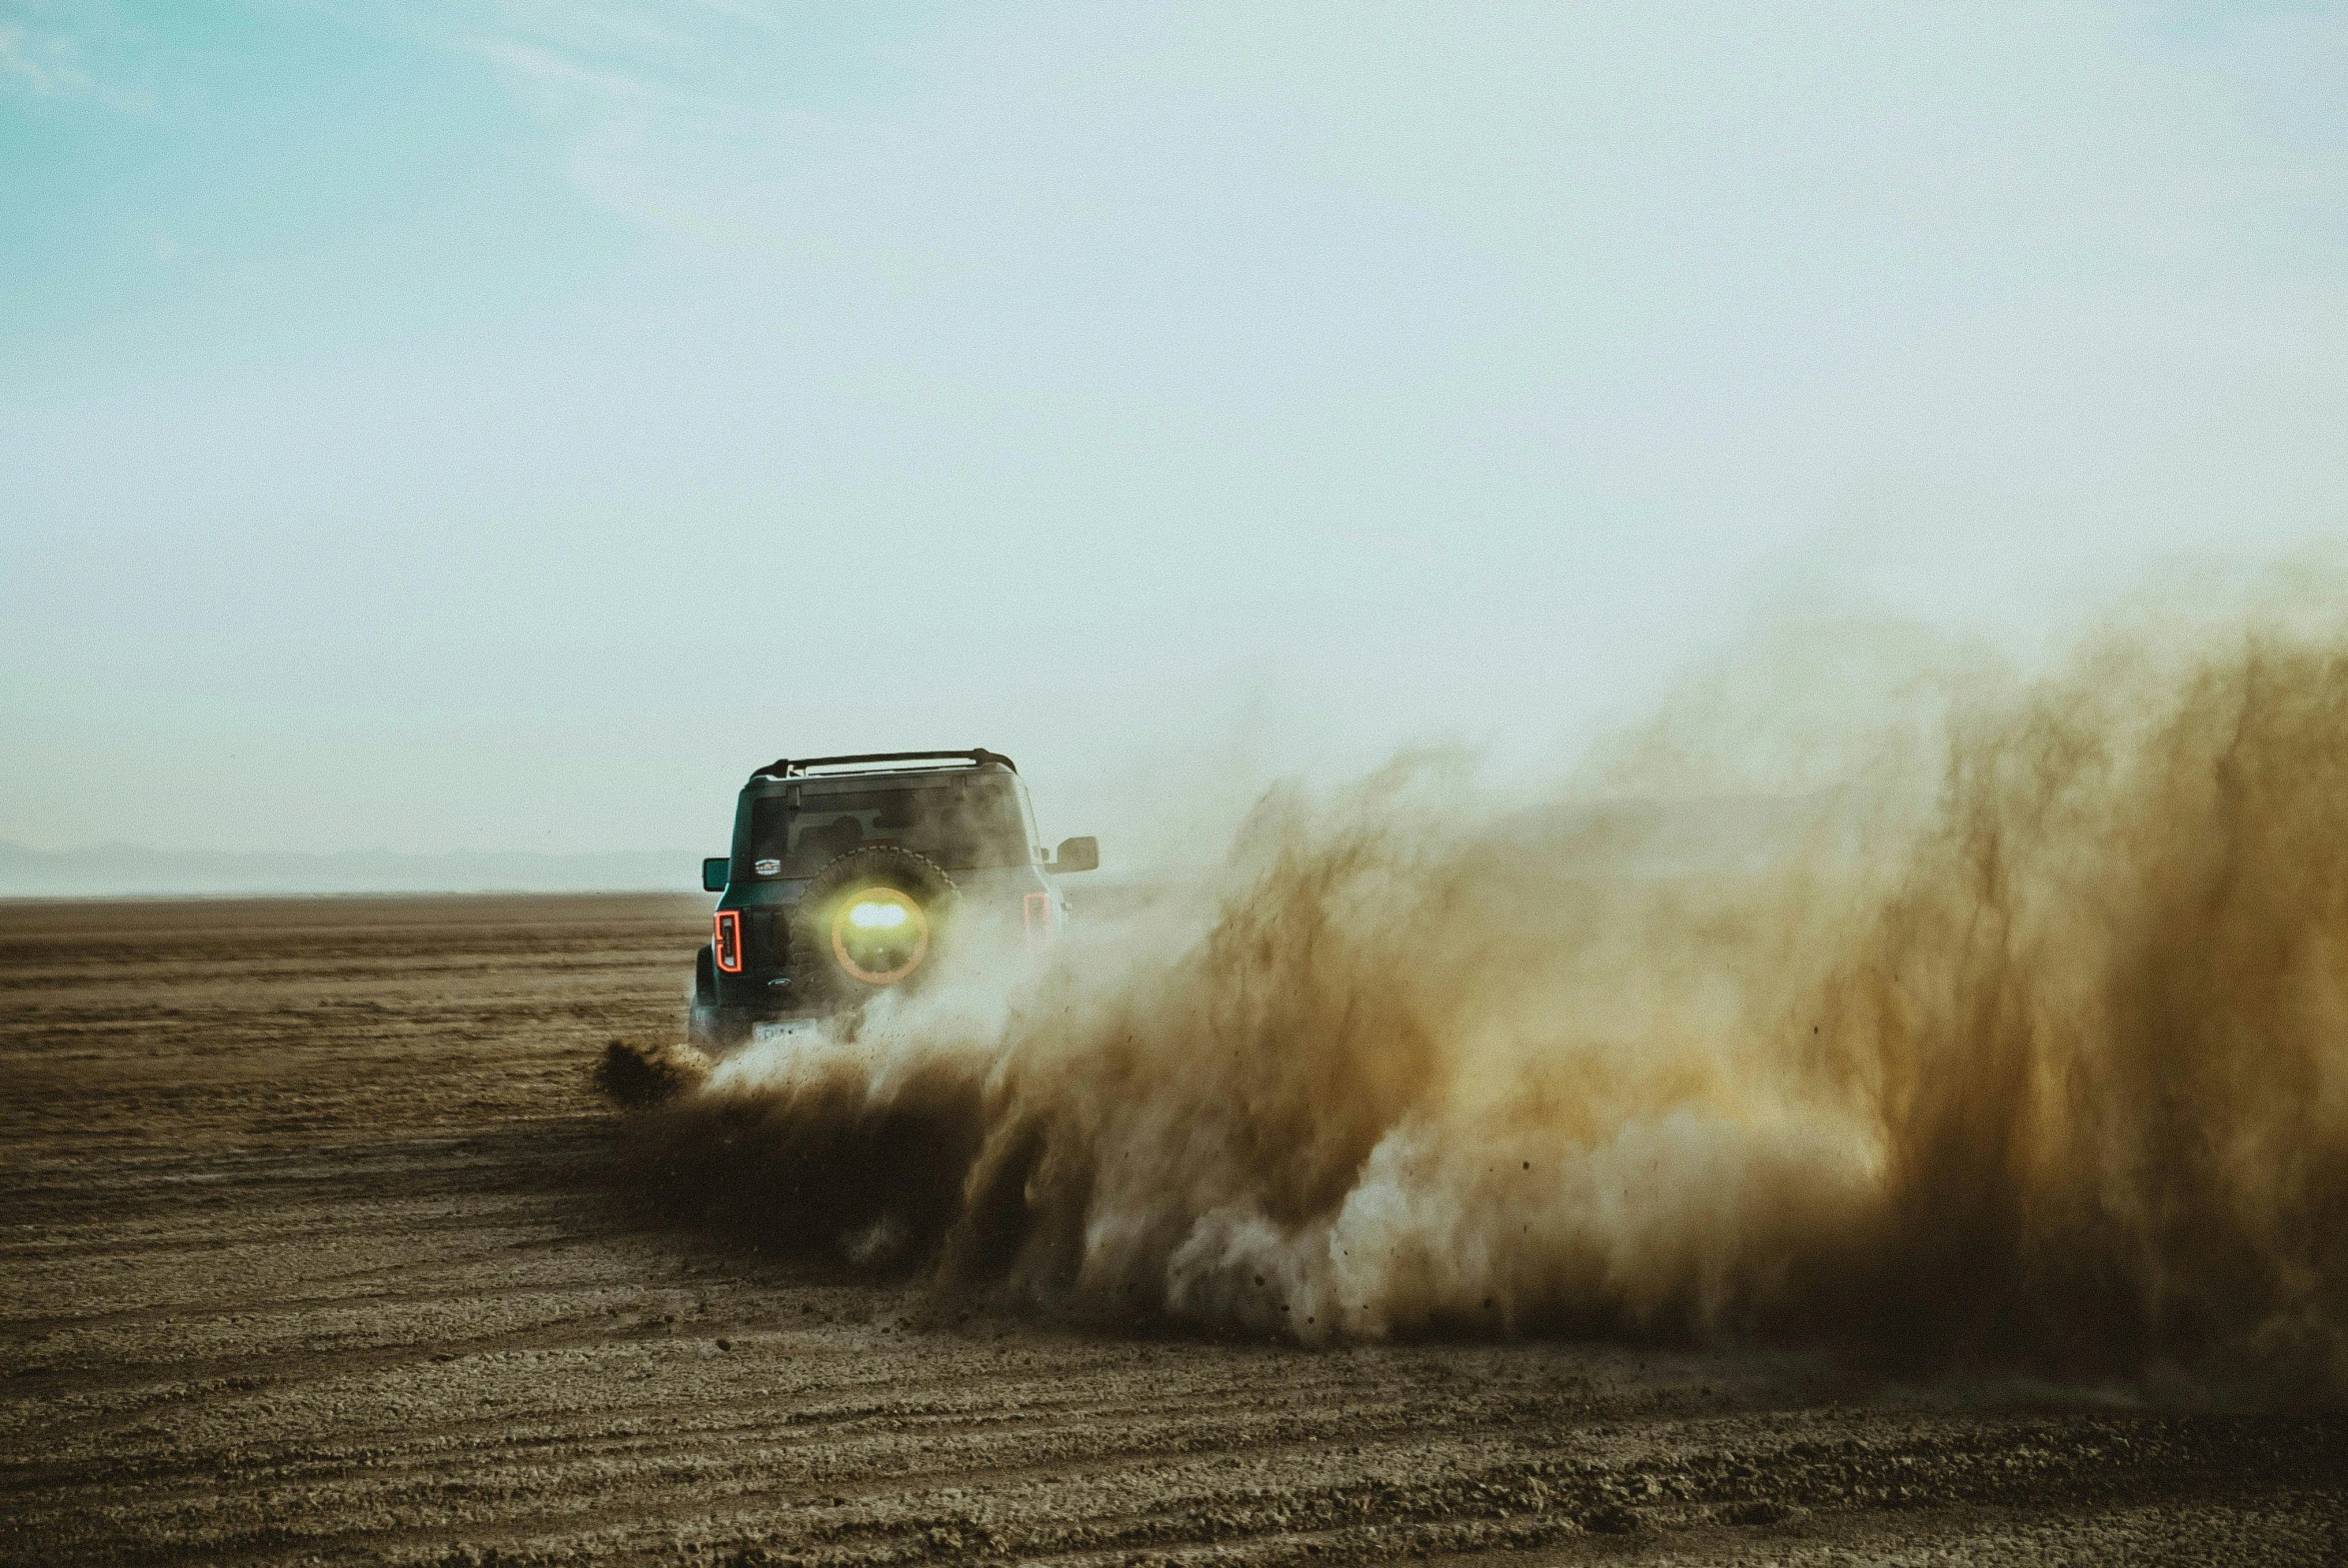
(314, 1249)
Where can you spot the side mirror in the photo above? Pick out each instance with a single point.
(713, 873)
(1077, 854)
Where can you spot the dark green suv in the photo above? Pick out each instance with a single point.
(852, 875)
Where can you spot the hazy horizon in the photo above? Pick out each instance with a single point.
(496, 428)
(121, 871)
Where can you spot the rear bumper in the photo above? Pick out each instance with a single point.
(726, 1007)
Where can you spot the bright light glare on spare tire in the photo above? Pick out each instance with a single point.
(879, 935)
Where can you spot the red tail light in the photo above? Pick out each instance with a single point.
(1039, 912)
(728, 944)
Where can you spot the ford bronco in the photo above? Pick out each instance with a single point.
(851, 875)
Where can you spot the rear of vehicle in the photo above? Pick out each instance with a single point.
(851, 877)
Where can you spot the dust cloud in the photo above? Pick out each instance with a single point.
(1871, 995)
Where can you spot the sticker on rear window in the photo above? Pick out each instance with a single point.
(765, 868)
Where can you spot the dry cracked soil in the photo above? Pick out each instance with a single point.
(316, 1250)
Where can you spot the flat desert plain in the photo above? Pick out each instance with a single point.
(319, 1248)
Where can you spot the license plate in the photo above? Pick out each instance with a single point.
(786, 1030)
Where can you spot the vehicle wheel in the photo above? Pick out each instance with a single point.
(716, 1030)
(874, 919)
(709, 1026)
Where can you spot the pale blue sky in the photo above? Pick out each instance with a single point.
(500, 425)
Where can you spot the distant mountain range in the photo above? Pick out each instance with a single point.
(122, 870)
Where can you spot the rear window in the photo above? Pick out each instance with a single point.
(962, 825)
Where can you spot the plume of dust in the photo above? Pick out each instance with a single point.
(2013, 1026)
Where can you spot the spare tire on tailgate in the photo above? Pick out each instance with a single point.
(871, 920)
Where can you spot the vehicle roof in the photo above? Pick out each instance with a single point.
(830, 775)
(925, 778)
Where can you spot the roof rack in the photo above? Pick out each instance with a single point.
(798, 768)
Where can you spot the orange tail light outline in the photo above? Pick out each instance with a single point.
(1039, 916)
(728, 942)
